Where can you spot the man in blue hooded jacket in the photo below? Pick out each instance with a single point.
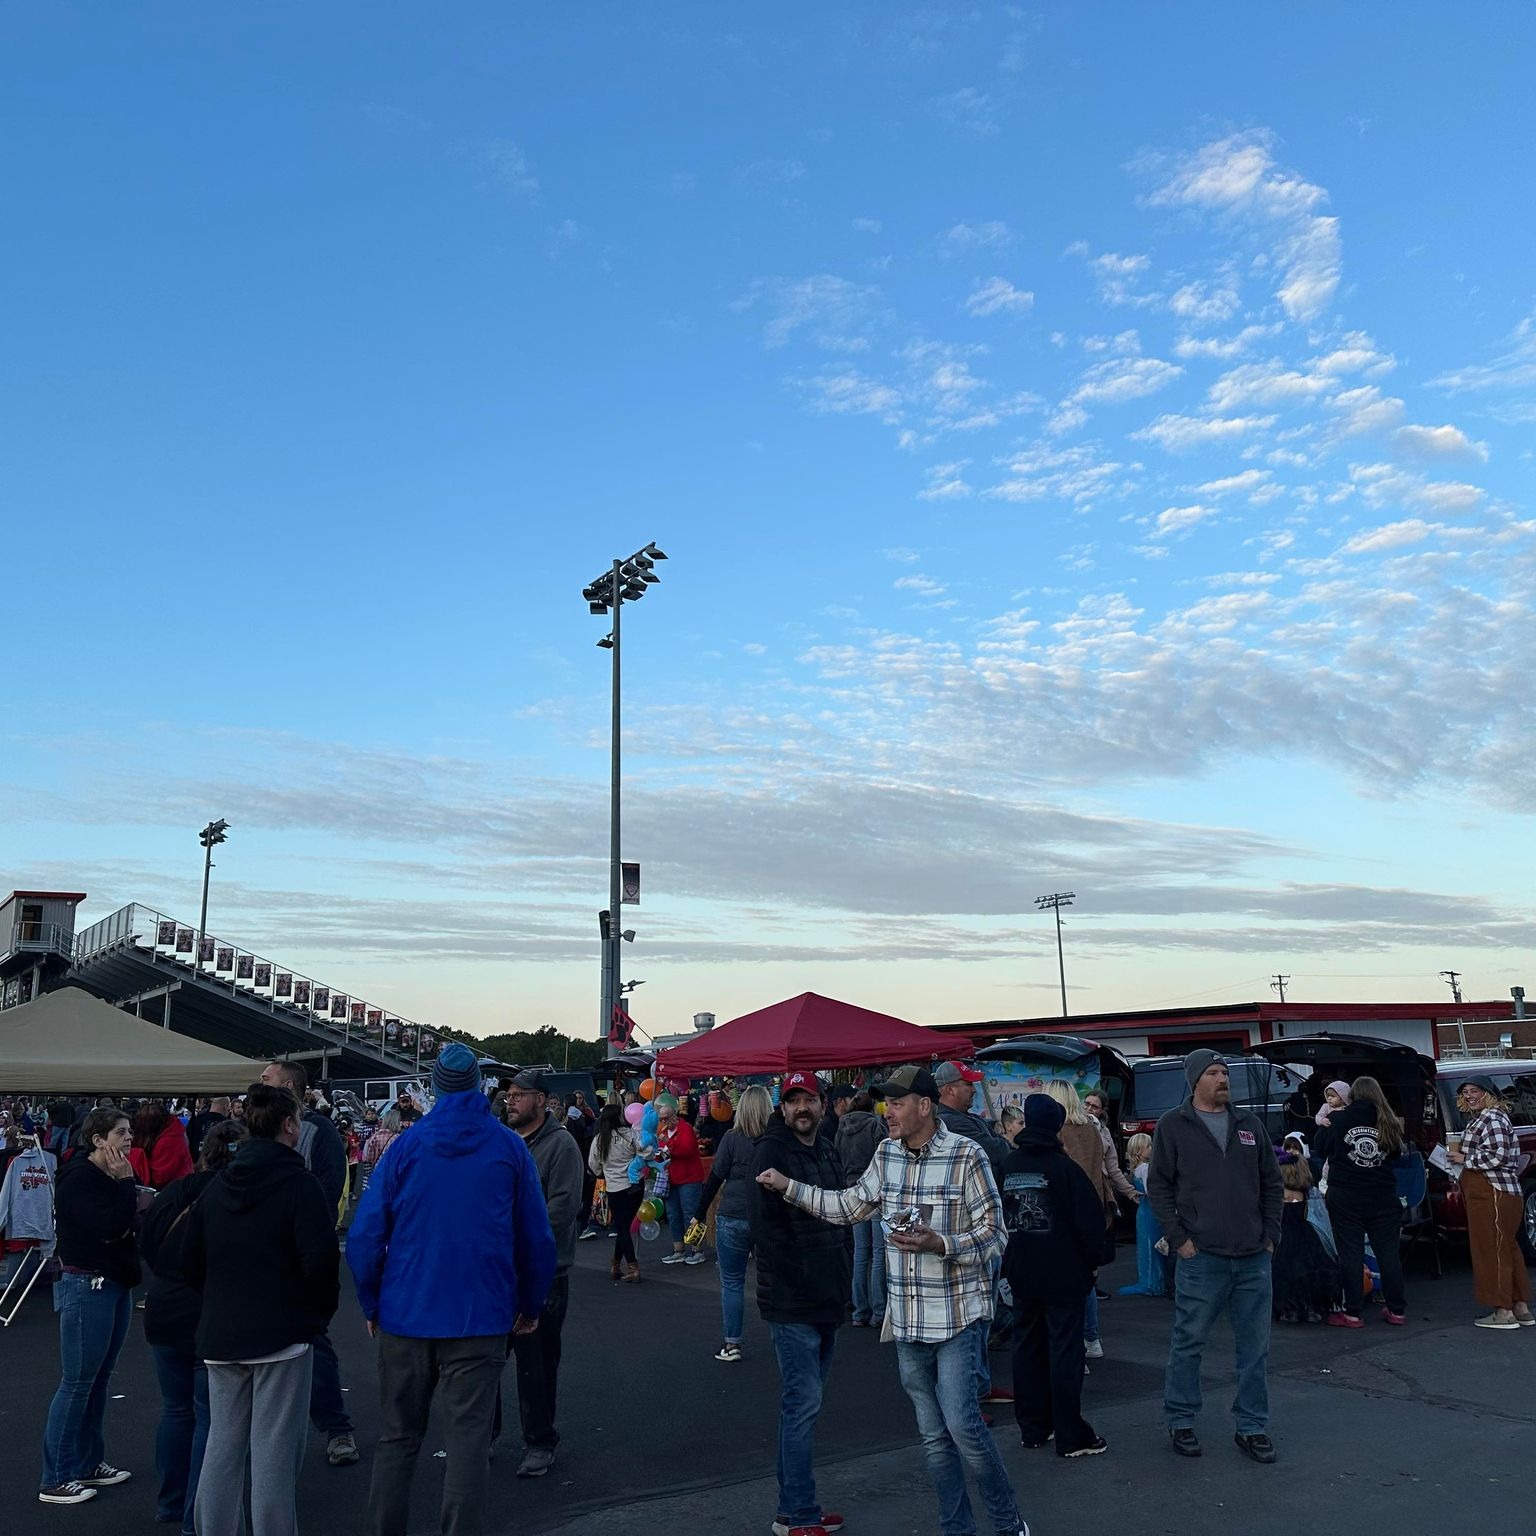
(451, 1250)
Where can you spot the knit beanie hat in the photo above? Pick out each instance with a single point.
(1342, 1089)
(456, 1070)
(1043, 1113)
(1198, 1063)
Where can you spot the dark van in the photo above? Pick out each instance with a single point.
(1158, 1085)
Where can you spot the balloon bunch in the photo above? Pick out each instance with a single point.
(645, 1119)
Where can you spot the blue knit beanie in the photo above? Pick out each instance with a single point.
(456, 1070)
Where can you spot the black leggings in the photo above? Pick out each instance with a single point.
(622, 1206)
(1384, 1227)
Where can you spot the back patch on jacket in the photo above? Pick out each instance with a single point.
(1027, 1205)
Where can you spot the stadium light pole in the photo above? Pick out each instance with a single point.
(627, 581)
(209, 837)
(1054, 903)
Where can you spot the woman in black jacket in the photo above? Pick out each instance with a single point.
(171, 1311)
(1361, 1142)
(96, 1204)
(1056, 1239)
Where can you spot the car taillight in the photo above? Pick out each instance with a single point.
(1138, 1127)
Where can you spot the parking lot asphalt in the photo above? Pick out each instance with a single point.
(1408, 1429)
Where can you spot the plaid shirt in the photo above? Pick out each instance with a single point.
(1490, 1145)
(929, 1297)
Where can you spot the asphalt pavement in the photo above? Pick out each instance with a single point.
(1408, 1429)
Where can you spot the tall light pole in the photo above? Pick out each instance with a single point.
(209, 837)
(626, 582)
(1054, 903)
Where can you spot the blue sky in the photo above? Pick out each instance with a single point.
(1093, 445)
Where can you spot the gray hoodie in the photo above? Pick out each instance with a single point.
(1226, 1202)
(558, 1159)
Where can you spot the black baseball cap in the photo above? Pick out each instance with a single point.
(531, 1082)
(907, 1080)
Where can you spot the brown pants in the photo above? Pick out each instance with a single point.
(1499, 1276)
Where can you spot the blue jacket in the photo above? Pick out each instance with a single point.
(452, 1240)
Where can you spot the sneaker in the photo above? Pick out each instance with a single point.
(1256, 1447)
(65, 1493)
(1095, 1447)
(1185, 1441)
(1344, 1320)
(996, 1394)
(728, 1352)
(1093, 1349)
(1399, 1319)
(829, 1523)
(341, 1450)
(105, 1476)
(1498, 1318)
(582, 1237)
(675, 1258)
(1524, 1318)
(536, 1462)
(696, 1258)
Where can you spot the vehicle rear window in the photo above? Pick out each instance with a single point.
(1159, 1089)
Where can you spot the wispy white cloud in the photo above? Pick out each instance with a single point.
(829, 309)
(997, 296)
(868, 226)
(1445, 442)
(1121, 379)
(1180, 434)
(921, 586)
(987, 235)
(1223, 347)
(946, 482)
(1180, 519)
(851, 393)
(1514, 368)
(1373, 541)
(508, 167)
(1205, 303)
(969, 109)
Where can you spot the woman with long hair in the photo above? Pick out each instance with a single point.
(160, 1154)
(170, 1328)
(95, 1208)
(1489, 1156)
(613, 1149)
(1081, 1141)
(1361, 1142)
(731, 1173)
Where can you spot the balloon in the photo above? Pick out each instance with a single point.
(634, 1113)
(658, 1210)
(650, 1231)
(666, 1101)
(647, 1089)
(719, 1107)
(677, 1085)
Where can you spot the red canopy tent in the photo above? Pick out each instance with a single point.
(808, 1031)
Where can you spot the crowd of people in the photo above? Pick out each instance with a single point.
(893, 1205)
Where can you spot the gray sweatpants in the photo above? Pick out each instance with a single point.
(260, 1412)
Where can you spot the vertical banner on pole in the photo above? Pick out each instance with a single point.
(629, 884)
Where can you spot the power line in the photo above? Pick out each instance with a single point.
(1453, 981)
(1278, 985)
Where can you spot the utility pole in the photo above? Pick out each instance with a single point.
(1453, 981)
(209, 837)
(1054, 903)
(1278, 985)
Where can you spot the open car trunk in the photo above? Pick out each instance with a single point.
(1021, 1066)
(1407, 1078)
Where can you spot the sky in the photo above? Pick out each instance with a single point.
(1093, 445)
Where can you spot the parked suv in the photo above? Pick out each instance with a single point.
(1516, 1082)
(1158, 1085)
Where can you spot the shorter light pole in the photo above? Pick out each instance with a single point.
(1054, 903)
(211, 835)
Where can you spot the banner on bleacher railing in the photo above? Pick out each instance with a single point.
(375, 1018)
(204, 951)
(165, 935)
(244, 967)
(357, 1013)
(322, 999)
(284, 987)
(183, 941)
(263, 975)
(301, 993)
(224, 960)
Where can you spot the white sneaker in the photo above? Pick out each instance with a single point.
(729, 1353)
(675, 1258)
(105, 1476)
(695, 1258)
(1093, 1349)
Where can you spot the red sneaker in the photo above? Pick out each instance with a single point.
(1397, 1319)
(1344, 1320)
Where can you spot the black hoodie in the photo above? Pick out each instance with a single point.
(261, 1246)
(1055, 1222)
(804, 1264)
(95, 1215)
(1360, 1172)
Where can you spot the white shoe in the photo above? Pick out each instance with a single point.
(1093, 1349)
(675, 1258)
(728, 1353)
(695, 1258)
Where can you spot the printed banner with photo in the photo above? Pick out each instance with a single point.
(204, 951)
(301, 993)
(224, 960)
(263, 975)
(165, 935)
(375, 1017)
(244, 967)
(284, 986)
(357, 1013)
(183, 941)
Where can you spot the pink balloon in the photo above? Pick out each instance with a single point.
(634, 1113)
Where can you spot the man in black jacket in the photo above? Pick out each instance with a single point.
(1215, 1187)
(1056, 1240)
(325, 1155)
(804, 1279)
(261, 1247)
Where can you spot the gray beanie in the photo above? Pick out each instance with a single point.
(1198, 1063)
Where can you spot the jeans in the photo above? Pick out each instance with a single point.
(255, 1418)
(182, 1435)
(327, 1407)
(538, 1369)
(463, 1375)
(1048, 1373)
(1384, 1226)
(682, 1207)
(804, 1354)
(733, 1244)
(868, 1271)
(1091, 1316)
(1205, 1287)
(941, 1381)
(92, 1326)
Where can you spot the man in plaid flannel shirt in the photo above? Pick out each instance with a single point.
(938, 1282)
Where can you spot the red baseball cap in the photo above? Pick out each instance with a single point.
(800, 1082)
(957, 1072)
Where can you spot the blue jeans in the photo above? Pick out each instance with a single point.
(733, 1244)
(182, 1434)
(327, 1407)
(682, 1207)
(1205, 1287)
(941, 1381)
(804, 1353)
(868, 1271)
(92, 1327)
(1091, 1316)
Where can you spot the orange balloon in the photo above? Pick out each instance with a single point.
(648, 1089)
(719, 1107)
